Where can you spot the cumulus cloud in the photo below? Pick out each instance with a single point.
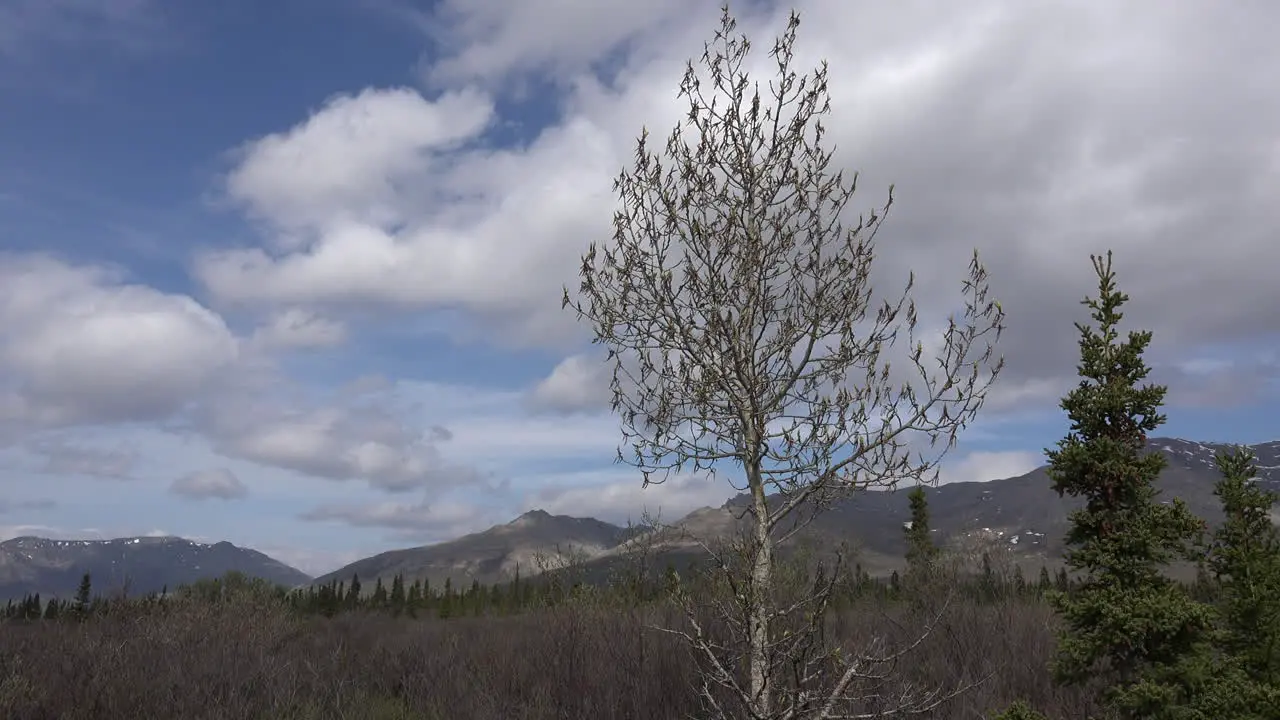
(621, 496)
(483, 230)
(1219, 382)
(339, 441)
(983, 466)
(218, 483)
(491, 40)
(296, 328)
(345, 161)
(62, 457)
(579, 383)
(1039, 134)
(78, 345)
(429, 520)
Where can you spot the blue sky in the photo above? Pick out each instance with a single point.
(288, 273)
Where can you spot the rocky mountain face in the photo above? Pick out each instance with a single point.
(532, 543)
(53, 568)
(1022, 515)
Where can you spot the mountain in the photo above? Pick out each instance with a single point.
(53, 568)
(532, 542)
(1022, 514)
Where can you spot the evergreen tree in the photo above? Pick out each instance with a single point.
(1044, 585)
(1125, 622)
(397, 594)
(379, 599)
(1245, 559)
(353, 594)
(1062, 581)
(446, 600)
(475, 597)
(83, 595)
(83, 591)
(414, 600)
(920, 548)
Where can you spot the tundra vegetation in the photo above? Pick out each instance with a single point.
(745, 339)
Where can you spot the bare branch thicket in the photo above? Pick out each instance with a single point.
(738, 315)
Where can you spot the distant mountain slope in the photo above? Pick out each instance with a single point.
(531, 542)
(54, 567)
(1021, 513)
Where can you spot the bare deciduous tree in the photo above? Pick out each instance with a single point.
(738, 315)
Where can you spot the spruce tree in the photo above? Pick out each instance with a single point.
(446, 600)
(920, 548)
(1245, 560)
(1125, 622)
(84, 591)
(352, 598)
(414, 601)
(1062, 581)
(397, 594)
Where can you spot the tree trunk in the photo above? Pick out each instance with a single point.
(761, 703)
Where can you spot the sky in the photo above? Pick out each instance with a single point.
(288, 273)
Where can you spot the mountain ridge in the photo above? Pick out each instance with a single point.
(1021, 514)
(54, 567)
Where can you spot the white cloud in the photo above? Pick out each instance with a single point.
(218, 483)
(299, 328)
(579, 383)
(1039, 135)
(62, 457)
(339, 441)
(345, 162)
(1039, 132)
(79, 345)
(489, 232)
(983, 466)
(626, 498)
(431, 520)
(491, 40)
(511, 440)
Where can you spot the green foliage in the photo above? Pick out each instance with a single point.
(1019, 710)
(1245, 561)
(1126, 622)
(352, 598)
(921, 550)
(397, 594)
(83, 593)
